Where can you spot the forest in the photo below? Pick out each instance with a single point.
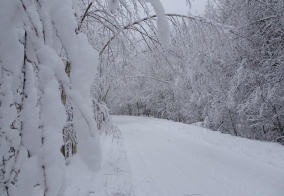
(224, 70)
(67, 66)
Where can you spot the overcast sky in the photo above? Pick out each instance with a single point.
(180, 7)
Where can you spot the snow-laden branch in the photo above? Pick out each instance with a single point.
(84, 16)
(150, 77)
(260, 20)
(162, 22)
(152, 17)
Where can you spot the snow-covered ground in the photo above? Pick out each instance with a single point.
(163, 158)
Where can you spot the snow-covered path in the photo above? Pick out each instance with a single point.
(173, 159)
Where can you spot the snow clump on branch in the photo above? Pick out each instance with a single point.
(162, 22)
(112, 5)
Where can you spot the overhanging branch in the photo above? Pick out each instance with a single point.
(155, 16)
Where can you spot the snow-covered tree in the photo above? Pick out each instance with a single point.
(47, 68)
(256, 90)
(48, 63)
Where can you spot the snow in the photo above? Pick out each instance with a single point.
(160, 157)
(31, 137)
(53, 160)
(36, 39)
(112, 5)
(28, 176)
(79, 177)
(162, 22)
(156, 157)
(83, 60)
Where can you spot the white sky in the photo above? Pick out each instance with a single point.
(180, 7)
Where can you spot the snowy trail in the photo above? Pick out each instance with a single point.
(172, 159)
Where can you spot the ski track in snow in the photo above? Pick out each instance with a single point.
(164, 158)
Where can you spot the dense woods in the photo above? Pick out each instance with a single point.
(65, 66)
